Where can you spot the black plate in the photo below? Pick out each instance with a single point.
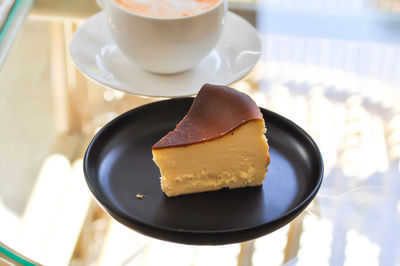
(118, 165)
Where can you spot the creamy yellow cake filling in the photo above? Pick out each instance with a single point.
(237, 159)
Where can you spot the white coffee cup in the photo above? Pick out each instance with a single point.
(165, 45)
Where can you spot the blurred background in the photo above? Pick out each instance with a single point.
(331, 66)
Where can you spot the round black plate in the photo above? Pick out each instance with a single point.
(118, 165)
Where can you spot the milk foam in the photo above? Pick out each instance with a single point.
(167, 8)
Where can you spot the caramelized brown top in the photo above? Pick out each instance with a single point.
(215, 111)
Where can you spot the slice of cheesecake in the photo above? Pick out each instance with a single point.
(220, 143)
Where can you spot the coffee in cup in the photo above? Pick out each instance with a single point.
(165, 36)
(167, 8)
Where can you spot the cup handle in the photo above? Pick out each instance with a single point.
(101, 4)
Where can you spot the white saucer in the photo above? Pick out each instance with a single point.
(99, 58)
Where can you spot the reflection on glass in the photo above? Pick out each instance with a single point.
(394, 137)
(155, 252)
(360, 250)
(270, 248)
(315, 242)
(41, 210)
(398, 207)
(59, 201)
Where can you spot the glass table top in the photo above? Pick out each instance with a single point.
(331, 66)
